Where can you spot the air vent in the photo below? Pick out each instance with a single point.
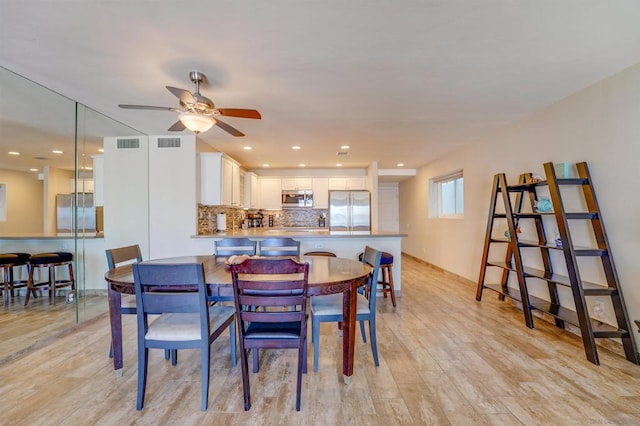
(169, 143)
(133, 143)
(340, 153)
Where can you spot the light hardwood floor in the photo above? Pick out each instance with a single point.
(444, 359)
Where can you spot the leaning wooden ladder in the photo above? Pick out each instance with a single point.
(514, 214)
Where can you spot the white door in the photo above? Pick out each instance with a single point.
(388, 209)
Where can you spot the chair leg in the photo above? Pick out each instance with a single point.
(204, 356)
(30, 288)
(256, 360)
(301, 361)
(245, 378)
(374, 343)
(315, 338)
(52, 284)
(364, 336)
(232, 338)
(174, 357)
(143, 359)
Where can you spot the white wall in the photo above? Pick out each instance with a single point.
(599, 125)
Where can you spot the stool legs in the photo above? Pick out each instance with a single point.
(387, 282)
(52, 283)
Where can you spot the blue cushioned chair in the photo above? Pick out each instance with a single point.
(186, 321)
(329, 308)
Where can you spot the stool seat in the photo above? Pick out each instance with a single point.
(53, 257)
(51, 260)
(386, 275)
(8, 261)
(320, 253)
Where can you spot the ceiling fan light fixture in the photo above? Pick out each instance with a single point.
(197, 123)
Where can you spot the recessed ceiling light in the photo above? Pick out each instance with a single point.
(400, 164)
(296, 147)
(13, 153)
(303, 165)
(265, 165)
(345, 147)
(101, 150)
(338, 164)
(33, 170)
(247, 148)
(57, 151)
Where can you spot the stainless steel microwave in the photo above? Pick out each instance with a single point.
(297, 199)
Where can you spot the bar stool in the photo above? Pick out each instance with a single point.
(386, 276)
(51, 261)
(320, 253)
(9, 261)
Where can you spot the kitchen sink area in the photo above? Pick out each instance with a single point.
(296, 230)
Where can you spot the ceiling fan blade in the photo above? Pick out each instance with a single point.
(239, 112)
(185, 96)
(124, 106)
(177, 127)
(231, 130)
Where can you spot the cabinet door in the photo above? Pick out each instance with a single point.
(227, 182)
(294, 184)
(356, 183)
(337, 183)
(271, 192)
(235, 184)
(320, 193)
(210, 179)
(255, 192)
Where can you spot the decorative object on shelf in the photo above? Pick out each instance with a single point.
(558, 241)
(561, 170)
(535, 179)
(508, 234)
(543, 205)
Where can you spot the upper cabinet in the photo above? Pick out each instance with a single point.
(251, 191)
(347, 183)
(271, 192)
(295, 184)
(219, 180)
(320, 193)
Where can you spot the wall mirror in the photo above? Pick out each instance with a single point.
(50, 153)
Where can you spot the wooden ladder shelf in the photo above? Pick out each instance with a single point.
(508, 206)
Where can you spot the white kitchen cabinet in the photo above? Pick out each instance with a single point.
(295, 184)
(219, 180)
(320, 193)
(347, 183)
(271, 193)
(251, 191)
(84, 185)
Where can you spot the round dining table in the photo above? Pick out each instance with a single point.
(327, 275)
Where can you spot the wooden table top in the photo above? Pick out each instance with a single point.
(326, 274)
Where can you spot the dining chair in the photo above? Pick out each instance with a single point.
(234, 246)
(329, 308)
(186, 321)
(273, 247)
(276, 284)
(118, 257)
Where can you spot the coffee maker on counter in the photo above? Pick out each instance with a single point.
(255, 220)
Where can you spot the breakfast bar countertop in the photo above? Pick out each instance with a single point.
(266, 232)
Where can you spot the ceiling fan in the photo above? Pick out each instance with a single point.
(199, 113)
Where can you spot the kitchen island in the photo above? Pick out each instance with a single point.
(347, 244)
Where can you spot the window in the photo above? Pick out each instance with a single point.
(446, 199)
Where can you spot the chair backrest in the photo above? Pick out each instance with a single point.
(372, 257)
(234, 246)
(271, 283)
(170, 288)
(122, 255)
(279, 247)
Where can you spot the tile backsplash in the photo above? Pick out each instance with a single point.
(304, 217)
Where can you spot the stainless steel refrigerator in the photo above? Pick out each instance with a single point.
(349, 210)
(66, 219)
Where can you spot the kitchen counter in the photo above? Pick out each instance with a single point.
(347, 244)
(297, 233)
(63, 236)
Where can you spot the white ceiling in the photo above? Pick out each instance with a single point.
(398, 81)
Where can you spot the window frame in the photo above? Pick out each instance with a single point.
(436, 186)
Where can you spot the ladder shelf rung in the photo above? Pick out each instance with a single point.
(511, 292)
